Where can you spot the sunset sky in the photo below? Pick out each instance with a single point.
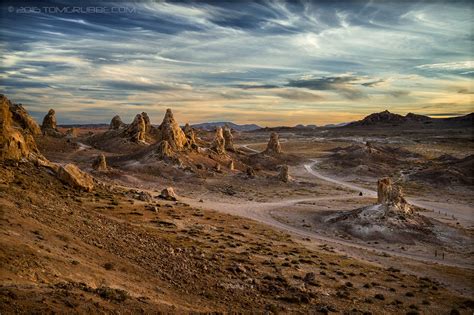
(265, 62)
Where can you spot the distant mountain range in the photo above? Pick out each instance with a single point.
(212, 125)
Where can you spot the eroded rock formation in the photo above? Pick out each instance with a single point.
(228, 139)
(218, 145)
(170, 131)
(100, 163)
(273, 146)
(49, 126)
(147, 121)
(137, 129)
(70, 174)
(189, 132)
(116, 123)
(284, 175)
(391, 195)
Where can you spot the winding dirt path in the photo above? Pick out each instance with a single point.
(262, 212)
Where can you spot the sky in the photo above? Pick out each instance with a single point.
(267, 62)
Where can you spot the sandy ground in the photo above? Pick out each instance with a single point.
(289, 208)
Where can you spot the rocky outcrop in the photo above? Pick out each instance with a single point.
(168, 194)
(170, 131)
(71, 175)
(49, 126)
(228, 139)
(273, 146)
(218, 145)
(116, 123)
(21, 116)
(137, 129)
(391, 195)
(284, 175)
(16, 143)
(100, 163)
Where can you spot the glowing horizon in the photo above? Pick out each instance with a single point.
(271, 63)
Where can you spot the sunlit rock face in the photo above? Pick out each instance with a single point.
(16, 142)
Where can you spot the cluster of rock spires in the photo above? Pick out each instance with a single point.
(391, 195)
(18, 145)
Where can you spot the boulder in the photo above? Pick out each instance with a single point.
(71, 175)
(284, 174)
(170, 131)
(168, 194)
(273, 146)
(100, 163)
(116, 123)
(391, 195)
(143, 196)
(228, 139)
(218, 145)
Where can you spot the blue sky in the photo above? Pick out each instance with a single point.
(266, 62)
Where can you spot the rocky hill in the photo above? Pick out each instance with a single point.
(386, 119)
